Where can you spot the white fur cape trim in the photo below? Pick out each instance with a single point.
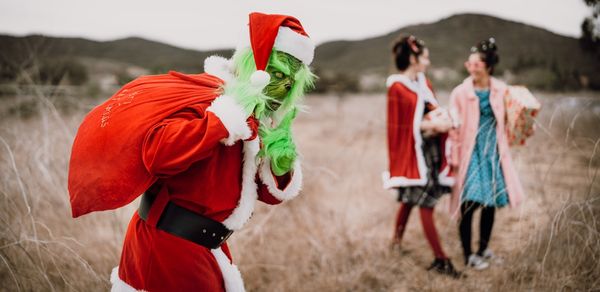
(231, 274)
(291, 190)
(119, 285)
(249, 194)
(423, 93)
(233, 118)
(219, 67)
(419, 86)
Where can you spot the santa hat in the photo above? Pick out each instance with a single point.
(281, 32)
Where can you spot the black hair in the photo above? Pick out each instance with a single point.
(488, 51)
(403, 48)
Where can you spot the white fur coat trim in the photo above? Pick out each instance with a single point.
(242, 213)
(231, 274)
(119, 285)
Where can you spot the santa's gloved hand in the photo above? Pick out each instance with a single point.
(278, 145)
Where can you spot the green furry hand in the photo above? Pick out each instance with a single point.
(279, 146)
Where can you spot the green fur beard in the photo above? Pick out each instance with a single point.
(275, 106)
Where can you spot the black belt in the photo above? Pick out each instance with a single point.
(186, 224)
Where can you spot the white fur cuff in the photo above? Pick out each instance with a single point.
(233, 118)
(291, 190)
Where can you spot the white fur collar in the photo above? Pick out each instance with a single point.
(419, 86)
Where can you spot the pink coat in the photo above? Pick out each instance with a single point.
(465, 104)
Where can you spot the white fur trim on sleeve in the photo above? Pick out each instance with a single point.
(233, 118)
(291, 190)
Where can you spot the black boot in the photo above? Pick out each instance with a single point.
(444, 267)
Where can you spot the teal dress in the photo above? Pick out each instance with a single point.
(484, 183)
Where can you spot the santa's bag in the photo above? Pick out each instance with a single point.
(521, 109)
(106, 170)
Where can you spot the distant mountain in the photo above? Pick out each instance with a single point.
(135, 51)
(529, 55)
(524, 50)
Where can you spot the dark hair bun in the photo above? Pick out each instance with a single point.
(488, 51)
(403, 48)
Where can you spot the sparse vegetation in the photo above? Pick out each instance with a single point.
(335, 235)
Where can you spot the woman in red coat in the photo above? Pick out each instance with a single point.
(417, 129)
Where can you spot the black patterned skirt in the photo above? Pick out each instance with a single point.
(429, 194)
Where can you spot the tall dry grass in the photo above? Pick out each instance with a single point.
(335, 235)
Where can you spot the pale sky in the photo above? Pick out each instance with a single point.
(216, 24)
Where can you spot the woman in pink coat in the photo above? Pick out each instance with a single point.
(480, 156)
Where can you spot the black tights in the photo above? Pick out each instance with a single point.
(485, 228)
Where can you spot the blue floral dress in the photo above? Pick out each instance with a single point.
(484, 183)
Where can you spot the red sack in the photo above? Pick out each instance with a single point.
(106, 170)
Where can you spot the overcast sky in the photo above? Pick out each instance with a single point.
(215, 24)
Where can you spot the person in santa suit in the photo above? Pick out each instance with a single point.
(212, 160)
(417, 131)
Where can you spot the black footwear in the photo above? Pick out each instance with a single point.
(444, 267)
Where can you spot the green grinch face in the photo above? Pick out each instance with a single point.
(282, 68)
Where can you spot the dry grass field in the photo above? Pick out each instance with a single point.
(335, 235)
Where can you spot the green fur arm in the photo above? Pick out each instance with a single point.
(279, 146)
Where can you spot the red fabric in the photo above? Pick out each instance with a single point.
(431, 233)
(106, 170)
(263, 31)
(199, 173)
(253, 125)
(154, 260)
(401, 142)
(402, 103)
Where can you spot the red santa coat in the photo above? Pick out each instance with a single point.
(406, 104)
(203, 166)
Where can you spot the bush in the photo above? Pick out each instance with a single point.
(54, 71)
